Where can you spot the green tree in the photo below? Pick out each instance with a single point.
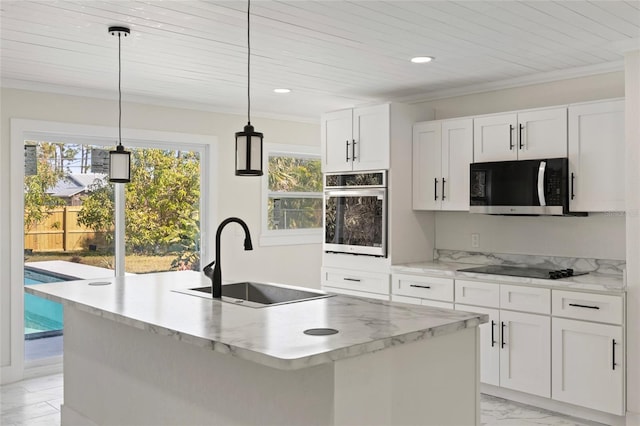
(162, 200)
(38, 204)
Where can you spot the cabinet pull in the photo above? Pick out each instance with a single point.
(443, 181)
(347, 149)
(419, 286)
(613, 354)
(577, 305)
(352, 279)
(510, 137)
(502, 334)
(520, 143)
(572, 179)
(493, 339)
(435, 189)
(353, 150)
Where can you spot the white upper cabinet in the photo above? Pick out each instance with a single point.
(442, 152)
(356, 139)
(596, 156)
(524, 135)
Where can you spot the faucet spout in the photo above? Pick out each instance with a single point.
(216, 274)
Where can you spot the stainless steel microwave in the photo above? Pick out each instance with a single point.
(525, 187)
(355, 213)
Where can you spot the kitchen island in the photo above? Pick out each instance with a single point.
(136, 351)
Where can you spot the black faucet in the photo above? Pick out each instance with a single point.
(215, 274)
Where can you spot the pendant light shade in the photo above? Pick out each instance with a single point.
(120, 159)
(248, 141)
(248, 152)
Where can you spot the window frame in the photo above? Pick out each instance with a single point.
(275, 237)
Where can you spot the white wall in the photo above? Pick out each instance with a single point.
(597, 236)
(237, 196)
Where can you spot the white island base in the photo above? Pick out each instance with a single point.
(115, 374)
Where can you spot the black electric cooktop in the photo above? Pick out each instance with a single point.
(521, 271)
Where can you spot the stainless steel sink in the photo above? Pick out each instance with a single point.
(258, 295)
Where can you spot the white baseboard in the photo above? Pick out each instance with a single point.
(43, 367)
(598, 417)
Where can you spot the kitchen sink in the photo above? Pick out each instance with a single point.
(258, 295)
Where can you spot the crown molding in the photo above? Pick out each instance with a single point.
(515, 82)
(147, 100)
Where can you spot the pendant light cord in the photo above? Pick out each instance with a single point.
(248, 63)
(119, 92)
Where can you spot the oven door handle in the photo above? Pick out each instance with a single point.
(369, 192)
(541, 170)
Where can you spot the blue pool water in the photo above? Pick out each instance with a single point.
(42, 317)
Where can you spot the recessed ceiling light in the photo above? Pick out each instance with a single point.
(422, 59)
(282, 90)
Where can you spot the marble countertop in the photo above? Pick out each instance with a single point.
(271, 336)
(594, 282)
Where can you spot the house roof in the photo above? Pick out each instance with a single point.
(75, 183)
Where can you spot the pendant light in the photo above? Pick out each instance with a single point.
(248, 142)
(120, 159)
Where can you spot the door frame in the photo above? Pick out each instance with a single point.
(23, 129)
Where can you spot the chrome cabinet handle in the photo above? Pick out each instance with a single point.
(347, 149)
(520, 143)
(443, 181)
(510, 137)
(435, 189)
(419, 286)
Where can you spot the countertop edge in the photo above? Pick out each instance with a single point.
(263, 358)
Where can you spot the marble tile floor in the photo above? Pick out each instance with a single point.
(36, 402)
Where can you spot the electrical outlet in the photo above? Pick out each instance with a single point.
(475, 240)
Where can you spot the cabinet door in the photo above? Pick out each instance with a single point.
(588, 365)
(596, 157)
(371, 135)
(489, 344)
(525, 361)
(336, 139)
(542, 134)
(457, 154)
(427, 165)
(494, 138)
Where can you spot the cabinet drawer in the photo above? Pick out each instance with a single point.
(424, 287)
(423, 302)
(527, 299)
(588, 306)
(477, 293)
(355, 293)
(356, 280)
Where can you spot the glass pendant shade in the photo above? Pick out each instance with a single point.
(248, 152)
(120, 165)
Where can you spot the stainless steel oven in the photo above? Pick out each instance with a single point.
(355, 213)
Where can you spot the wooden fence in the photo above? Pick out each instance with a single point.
(61, 232)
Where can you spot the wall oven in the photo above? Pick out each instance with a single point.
(355, 213)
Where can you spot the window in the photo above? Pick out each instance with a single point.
(292, 195)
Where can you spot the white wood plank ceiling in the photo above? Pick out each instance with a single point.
(331, 54)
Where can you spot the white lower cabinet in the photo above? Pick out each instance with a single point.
(588, 364)
(515, 350)
(356, 282)
(525, 361)
(422, 290)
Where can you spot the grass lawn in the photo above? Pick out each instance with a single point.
(136, 264)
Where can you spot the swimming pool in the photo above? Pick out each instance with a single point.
(42, 317)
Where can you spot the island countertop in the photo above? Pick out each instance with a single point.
(271, 336)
